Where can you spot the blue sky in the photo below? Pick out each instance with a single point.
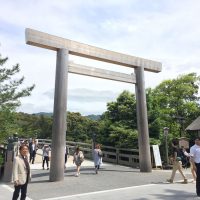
(163, 30)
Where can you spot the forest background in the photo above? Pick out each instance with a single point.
(173, 103)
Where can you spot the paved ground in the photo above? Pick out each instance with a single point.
(112, 182)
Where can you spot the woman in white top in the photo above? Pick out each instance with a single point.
(78, 159)
(97, 155)
(45, 155)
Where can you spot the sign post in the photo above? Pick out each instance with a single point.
(156, 153)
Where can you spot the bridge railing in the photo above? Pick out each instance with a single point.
(127, 157)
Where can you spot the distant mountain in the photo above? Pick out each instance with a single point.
(93, 117)
(44, 114)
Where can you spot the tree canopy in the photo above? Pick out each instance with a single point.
(10, 94)
(174, 104)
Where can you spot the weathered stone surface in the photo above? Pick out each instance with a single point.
(52, 42)
(101, 73)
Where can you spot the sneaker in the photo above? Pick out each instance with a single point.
(47, 168)
(77, 174)
(170, 180)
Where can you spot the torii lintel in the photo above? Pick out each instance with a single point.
(44, 40)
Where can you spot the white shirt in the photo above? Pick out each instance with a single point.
(33, 147)
(46, 151)
(187, 154)
(195, 153)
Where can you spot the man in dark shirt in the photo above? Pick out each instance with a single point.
(32, 151)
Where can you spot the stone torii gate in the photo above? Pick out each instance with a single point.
(64, 47)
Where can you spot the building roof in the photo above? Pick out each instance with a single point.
(195, 125)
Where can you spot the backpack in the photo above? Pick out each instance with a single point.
(181, 156)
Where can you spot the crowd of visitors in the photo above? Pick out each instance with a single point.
(27, 152)
(78, 156)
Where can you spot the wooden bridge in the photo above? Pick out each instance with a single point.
(127, 157)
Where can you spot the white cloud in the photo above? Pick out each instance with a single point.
(79, 100)
(165, 30)
(83, 95)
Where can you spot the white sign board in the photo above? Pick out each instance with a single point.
(156, 154)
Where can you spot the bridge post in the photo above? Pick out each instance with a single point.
(59, 117)
(142, 122)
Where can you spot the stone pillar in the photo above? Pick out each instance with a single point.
(11, 152)
(142, 122)
(8, 166)
(59, 117)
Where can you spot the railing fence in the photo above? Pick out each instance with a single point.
(127, 157)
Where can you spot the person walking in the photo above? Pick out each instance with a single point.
(21, 173)
(32, 151)
(177, 163)
(45, 155)
(97, 155)
(78, 159)
(188, 155)
(195, 161)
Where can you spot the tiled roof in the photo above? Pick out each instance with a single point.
(195, 125)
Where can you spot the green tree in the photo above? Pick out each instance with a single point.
(174, 104)
(7, 124)
(123, 110)
(169, 101)
(118, 124)
(80, 128)
(123, 137)
(31, 125)
(43, 126)
(10, 94)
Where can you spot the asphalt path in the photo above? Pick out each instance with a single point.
(112, 182)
